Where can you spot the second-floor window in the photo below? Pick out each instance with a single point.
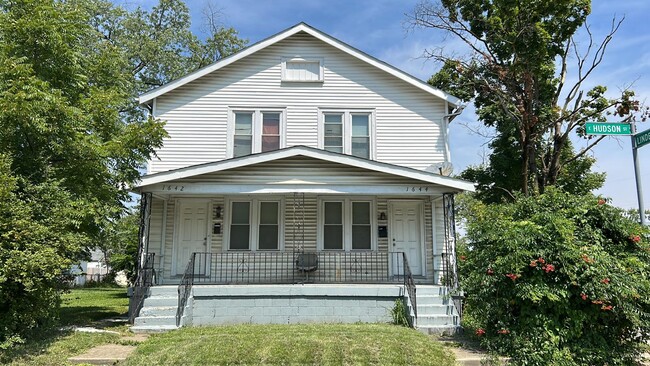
(256, 131)
(347, 132)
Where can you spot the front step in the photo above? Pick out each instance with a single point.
(436, 313)
(158, 313)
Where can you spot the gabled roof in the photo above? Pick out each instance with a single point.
(454, 185)
(301, 27)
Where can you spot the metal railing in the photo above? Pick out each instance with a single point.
(409, 284)
(145, 279)
(185, 288)
(298, 267)
(450, 268)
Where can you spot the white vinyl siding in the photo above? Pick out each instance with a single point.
(408, 125)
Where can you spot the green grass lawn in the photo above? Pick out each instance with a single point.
(79, 307)
(313, 344)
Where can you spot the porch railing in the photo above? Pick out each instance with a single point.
(298, 267)
(185, 288)
(294, 267)
(409, 284)
(143, 281)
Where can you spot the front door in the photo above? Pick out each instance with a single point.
(192, 232)
(406, 235)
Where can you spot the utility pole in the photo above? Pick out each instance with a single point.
(637, 173)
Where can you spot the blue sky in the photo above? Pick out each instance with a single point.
(378, 28)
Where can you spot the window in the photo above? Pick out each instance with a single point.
(243, 144)
(302, 70)
(254, 222)
(346, 225)
(347, 133)
(256, 131)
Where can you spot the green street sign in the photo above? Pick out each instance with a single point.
(598, 128)
(642, 138)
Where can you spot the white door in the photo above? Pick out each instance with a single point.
(406, 236)
(192, 232)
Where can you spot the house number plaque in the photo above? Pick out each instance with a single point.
(173, 187)
(417, 189)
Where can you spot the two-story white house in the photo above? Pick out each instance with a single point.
(302, 181)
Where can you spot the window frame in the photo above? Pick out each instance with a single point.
(256, 128)
(347, 223)
(347, 128)
(254, 222)
(298, 59)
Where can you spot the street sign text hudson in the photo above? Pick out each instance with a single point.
(596, 128)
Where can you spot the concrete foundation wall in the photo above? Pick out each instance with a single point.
(287, 304)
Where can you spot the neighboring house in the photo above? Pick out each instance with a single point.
(90, 271)
(302, 180)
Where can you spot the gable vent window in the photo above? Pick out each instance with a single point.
(302, 70)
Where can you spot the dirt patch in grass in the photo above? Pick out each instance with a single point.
(311, 344)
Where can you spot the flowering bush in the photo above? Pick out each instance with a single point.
(556, 279)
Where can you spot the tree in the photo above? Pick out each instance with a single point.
(556, 278)
(516, 74)
(72, 137)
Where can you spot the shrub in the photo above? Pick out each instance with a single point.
(557, 279)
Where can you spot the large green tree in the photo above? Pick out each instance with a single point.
(72, 137)
(516, 73)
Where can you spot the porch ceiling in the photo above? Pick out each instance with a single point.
(300, 169)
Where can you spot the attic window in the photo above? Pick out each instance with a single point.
(302, 70)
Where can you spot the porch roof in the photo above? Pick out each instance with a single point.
(432, 183)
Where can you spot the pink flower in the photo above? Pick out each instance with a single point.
(503, 331)
(635, 238)
(583, 296)
(548, 268)
(597, 302)
(463, 258)
(541, 260)
(587, 259)
(605, 281)
(512, 276)
(533, 263)
(601, 201)
(490, 271)
(606, 307)
(480, 331)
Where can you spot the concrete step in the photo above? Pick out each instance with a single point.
(163, 291)
(155, 320)
(431, 290)
(427, 309)
(160, 301)
(439, 329)
(158, 311)
(436, 320)
(143, 329)
(431, 300)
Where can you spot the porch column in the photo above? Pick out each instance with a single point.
(449, 265)
(143, 232)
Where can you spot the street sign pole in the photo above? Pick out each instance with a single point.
(637, 174)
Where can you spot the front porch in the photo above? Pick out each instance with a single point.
(292, 218)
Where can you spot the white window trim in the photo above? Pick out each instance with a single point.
(256, 128)
(347, 128)
(320, 61)
(254, 222)
(347, 223)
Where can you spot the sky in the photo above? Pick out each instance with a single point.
(380, 28)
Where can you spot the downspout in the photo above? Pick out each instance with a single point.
(446, 120)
